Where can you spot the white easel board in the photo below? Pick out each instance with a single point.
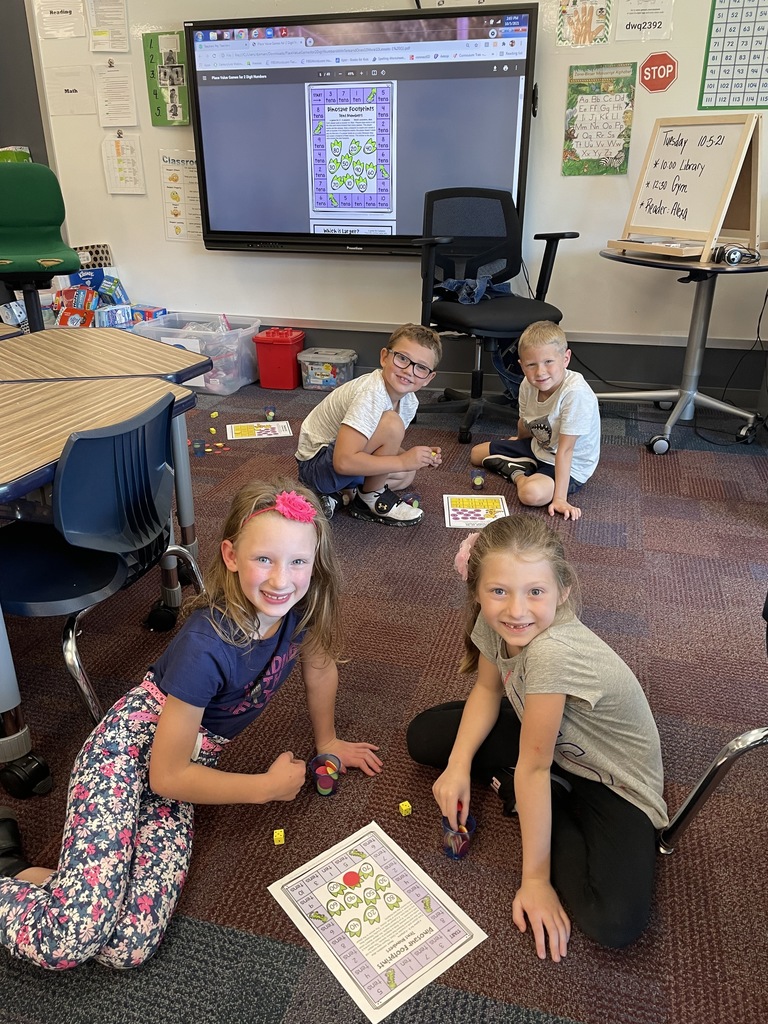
(699, 185)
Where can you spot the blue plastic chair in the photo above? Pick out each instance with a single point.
(111, 523)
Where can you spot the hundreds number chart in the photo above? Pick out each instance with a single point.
(735, 73)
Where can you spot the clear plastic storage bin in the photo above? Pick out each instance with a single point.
(226, 340)
(323, 369)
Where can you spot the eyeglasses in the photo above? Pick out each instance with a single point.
(419, 369)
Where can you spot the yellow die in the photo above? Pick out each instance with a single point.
(405, 808)
(278, 837)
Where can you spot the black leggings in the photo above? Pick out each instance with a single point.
(603, 847)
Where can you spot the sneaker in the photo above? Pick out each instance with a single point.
(386, 508)
(328, 504)
(509, 467)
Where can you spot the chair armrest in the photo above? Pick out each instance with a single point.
(436, 240)
(552, 240)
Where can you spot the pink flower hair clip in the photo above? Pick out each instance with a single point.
(461, 561)
(290, 505)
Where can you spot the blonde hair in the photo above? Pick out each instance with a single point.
(319, 608)
(525, 537)
(421, 335)
(543, 332)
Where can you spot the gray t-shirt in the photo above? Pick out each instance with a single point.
(360, 404)
(607, 732)
(572, 409)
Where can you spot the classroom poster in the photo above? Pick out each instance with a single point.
(583, 22)
(473, 512)
(165, 63)
(735, 73)
(377, 920)
(643, 19)
(598, 119)
(182, 217)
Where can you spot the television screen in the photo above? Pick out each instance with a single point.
(322, 133)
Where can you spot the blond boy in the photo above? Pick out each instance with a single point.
(557, 445)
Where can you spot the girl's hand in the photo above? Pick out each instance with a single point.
(355, 755)
(451, 790)
(287, 775)
(539, 902)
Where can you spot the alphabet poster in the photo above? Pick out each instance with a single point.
(598, 119)
(379, 923)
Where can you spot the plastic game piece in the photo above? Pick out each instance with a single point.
(278, 837)
(214, 415)
(269, 413)
(211, 430)
(198, 447)
(412, 498)
(330, 767)
(405, 808)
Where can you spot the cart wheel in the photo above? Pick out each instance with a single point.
(659, 445)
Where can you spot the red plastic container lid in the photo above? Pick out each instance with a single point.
(279, 336)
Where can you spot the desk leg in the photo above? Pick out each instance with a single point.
(694, 350)
(14, 735)
(185, 511)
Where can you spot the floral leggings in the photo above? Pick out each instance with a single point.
(124, 857)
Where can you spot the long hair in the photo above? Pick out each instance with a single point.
(239, 620)
(526, 537)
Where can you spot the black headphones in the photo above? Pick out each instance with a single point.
(734, 254)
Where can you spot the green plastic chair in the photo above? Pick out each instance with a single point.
(31, 247)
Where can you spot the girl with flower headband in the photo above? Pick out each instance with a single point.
(589, 829)
(272, 598)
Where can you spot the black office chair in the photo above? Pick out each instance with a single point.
(31, 247)
(111, 523)
(474, 234)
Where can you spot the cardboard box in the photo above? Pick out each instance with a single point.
(144, 312)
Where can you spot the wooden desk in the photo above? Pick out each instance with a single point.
(687, 396)
(8, 332)
(116, 374)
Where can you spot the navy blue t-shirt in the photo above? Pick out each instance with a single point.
(233, 684)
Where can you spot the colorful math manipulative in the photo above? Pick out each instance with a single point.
(278, 837)
(405, 808)
(456, 842)
(326, 772)
(269, 413)
(477, 478)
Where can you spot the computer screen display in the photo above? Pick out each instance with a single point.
(323, 133)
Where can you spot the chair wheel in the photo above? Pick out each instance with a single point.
(665, 406)
(161, 618)
(747, 433)
(659, 445)
(465, 436)
(27, 776)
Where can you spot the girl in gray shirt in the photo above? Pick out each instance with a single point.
(550, 693)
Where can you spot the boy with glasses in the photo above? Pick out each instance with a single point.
(353, 438)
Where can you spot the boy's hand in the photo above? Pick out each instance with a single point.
(421, 456)
(355, 755)
(563, 506)
(287, 775)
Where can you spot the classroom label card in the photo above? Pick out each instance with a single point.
(377, 920)
(468, 511)
(269, 428)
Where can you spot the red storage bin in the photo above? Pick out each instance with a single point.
(276, 351)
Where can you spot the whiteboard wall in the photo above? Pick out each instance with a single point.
(602, 301)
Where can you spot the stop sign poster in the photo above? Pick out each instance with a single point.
(598, 118)
(658, 71)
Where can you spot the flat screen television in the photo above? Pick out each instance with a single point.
(321, 133)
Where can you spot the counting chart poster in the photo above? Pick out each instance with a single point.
(735, 72)
(467, 512)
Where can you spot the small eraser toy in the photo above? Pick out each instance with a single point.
(278, 837)
(211, 430)
(405, 808)
(214, 415)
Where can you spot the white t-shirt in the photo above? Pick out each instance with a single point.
(572, 409)
(360, 404)
(607, 732)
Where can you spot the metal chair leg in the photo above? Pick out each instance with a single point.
(707, 784)
(190, 562)
(75, 666)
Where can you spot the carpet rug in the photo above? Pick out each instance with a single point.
(672, 553)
